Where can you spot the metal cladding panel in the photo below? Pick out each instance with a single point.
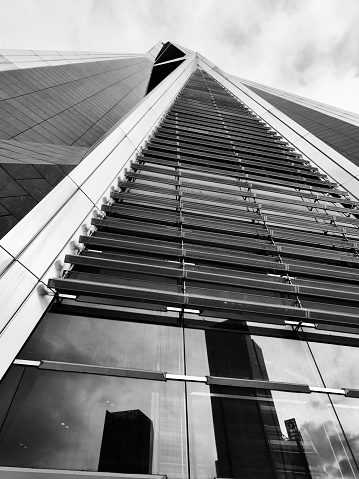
(28, 172)
(333, 111)
(11, 59)
(49, 119)
(337, 133)
(62, 105)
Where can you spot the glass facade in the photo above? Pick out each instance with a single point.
(233, 355)
(207, 328)
(85, 422)
(124, 344)
(267, 434)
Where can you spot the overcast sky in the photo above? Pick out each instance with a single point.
(308, 47)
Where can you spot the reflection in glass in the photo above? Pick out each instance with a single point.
(103, 342)
(9, 384)
(347, 410)
(236, 355)
(85, 422)
(338, 364)
(253, 434)
(127, 443)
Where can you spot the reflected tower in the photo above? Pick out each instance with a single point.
(249, 440)
(127, 443)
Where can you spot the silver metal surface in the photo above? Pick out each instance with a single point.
(27, 362)
(183, 377)
(327, 390)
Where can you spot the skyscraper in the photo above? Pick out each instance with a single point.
(196, 268)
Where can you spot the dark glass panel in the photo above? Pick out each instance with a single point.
(86, 340)
(9, 384)
(229, 354)
(96, 423)
(248, 434)
(338, 364)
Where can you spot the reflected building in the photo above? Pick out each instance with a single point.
(145, 198)
(239, 425)
(299, 452)
(249, 440)
(127, 443)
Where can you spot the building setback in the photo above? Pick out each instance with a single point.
(183, 302)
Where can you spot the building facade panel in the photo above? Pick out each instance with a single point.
(28, 171)
(335, 132)
(335, 112)
(15, 59)
(103, 85)
(53, 116)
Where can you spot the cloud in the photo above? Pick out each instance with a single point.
(308, 47)
(48, 401)
(306, 58)
(333, 455)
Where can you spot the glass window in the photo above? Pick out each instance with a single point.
(347, 410)
(9, 385)
(337, 364)
(229, 354)
(85, 422)
(243, 433)
(102, 342)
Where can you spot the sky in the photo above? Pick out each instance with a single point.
(307, 47)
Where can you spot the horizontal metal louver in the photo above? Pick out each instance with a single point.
(218, 213)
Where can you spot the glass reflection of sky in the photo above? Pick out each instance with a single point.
(337, 364)
(347, 410)
(57, 419)
(106, 343)
(319, 427)
(316, 420)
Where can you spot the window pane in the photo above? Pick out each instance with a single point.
(347, 410)
(9, 385)
(102, 342)
(338, 364)
(96, 423)
(243, 433)
(229, 354)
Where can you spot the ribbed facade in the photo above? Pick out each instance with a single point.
(209, 311)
